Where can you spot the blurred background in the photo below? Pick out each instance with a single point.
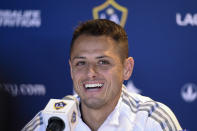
(34, 50)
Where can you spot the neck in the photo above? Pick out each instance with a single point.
(94, 118)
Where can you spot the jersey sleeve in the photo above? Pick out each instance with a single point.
(36, 124)
(162, 119)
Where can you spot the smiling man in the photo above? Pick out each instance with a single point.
(99, 64)
(98, 72)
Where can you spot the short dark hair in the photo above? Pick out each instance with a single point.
(99, 27)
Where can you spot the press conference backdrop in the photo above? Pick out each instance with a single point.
(34, 50)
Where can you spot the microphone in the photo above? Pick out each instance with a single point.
(55, 124)
(61, 114)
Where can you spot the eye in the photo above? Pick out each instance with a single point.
(80, 63)
(103, 62)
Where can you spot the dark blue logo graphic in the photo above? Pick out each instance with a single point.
(74, 117)
(59, 105)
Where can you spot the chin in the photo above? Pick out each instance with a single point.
(94, 104)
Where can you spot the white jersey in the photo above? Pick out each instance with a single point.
(132, 113)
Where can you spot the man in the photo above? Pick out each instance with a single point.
(99, 64)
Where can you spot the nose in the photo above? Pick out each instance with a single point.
(91, 71)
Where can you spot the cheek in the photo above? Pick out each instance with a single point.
(75, 78)
(76, 73)
(117, 79)
(114, 77)
(117, 72)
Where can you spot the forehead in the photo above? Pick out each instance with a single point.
(87, 44)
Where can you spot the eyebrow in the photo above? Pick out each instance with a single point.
(100, 57)
(78, 57)
(82, 57)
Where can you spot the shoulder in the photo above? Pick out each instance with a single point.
(71, 97)
(36, 124)
(163, 117)
(153, 113)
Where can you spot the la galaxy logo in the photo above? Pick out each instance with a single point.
(189, 92)
(112, 11)
(73, 117)
(59, 105)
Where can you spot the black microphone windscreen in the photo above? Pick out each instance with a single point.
(55, 124)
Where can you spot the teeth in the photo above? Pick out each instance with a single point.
(93, 85)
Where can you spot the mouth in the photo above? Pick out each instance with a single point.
(93, 85)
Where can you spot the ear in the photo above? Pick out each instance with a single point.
(128, 68)
(70, 69)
